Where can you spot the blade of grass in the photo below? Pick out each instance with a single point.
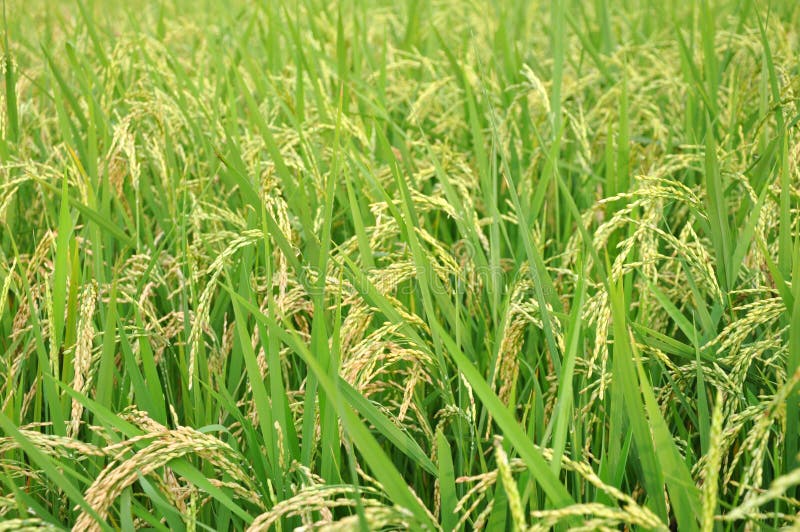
(625, 380)
(447, 483)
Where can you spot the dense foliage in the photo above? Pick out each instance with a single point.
(378, 265)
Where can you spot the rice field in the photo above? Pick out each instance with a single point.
(418, 265)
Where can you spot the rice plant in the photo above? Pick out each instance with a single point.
(372, 265)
